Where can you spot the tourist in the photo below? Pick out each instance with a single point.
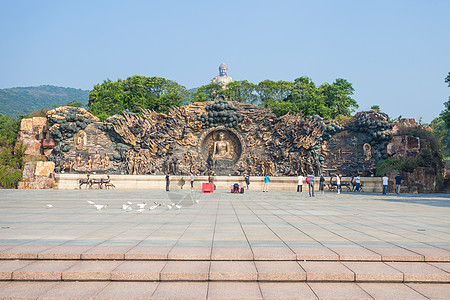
(321, 183)
(266, 183)
(167, 181)
(310, 181)
(358, 183)
(385, 184)
(192, 181)
(338, 183)
(398, 182)
(300, 183)
(247, 180)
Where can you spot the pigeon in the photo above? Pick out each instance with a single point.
(140, 210)
(153, 207)
(169, 206)
(129, 203)
(141, 205)
(178, 206)
(49, 206)
(90, 202)
(99, 207)
(126, 207)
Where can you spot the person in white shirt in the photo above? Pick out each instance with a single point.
(358, 183)
(192, 181)
(338, 183)
(300, 183)
(385, 184)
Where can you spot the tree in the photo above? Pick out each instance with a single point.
(75, 103)
(445, 114)
(375, 107)
(135, 92)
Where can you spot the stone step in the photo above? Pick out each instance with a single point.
(252, 271)
(225, 253)
(220, 290)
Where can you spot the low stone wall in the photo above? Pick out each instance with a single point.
(70, 181)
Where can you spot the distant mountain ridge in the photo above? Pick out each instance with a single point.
(23, 100)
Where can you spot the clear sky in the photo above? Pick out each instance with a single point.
(395, 53)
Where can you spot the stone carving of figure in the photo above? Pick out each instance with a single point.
(97, 158)
(80, 140)
(79, 161)
(106, 161)
(89, 163)
(222, 148)
(223, 79)
(367, 151)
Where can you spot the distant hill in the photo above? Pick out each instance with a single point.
(23, 100)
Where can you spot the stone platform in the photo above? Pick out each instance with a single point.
(281, 183)
(276, 245)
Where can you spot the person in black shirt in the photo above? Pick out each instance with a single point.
(321, 183)
(167, 181)
(398, 182)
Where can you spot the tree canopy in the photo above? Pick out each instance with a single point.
(299, 96)
(445, 114)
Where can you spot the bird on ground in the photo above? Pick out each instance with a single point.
(126, 207)
(169, 206)
(49, 206)
(153, 207)
(90, 202)
(99, 207)
(129, 203)
(140, 210)
(141, 205)
(178, 206)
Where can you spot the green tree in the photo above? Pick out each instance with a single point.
(442, 133)
(75, 103)
(11, 154)
(207, 92)
(445, 114)
(241, 91)
(135, 92)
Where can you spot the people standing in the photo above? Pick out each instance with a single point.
(300, 183)
(247, 180)
(398, 183)
(385, 184)
(358, 183)
(321, 183)
(192, 181)
(167, 182)
(266, 183)
(311, 185)
(338, 183)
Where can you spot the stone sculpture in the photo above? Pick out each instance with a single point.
(223, 79)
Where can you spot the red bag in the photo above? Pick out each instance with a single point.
(307, 180)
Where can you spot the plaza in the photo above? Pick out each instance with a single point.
(280, 244)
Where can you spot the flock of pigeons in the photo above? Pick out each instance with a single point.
(140, 207)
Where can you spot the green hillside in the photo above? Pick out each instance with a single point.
(24, 100)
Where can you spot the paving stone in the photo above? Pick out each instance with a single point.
(374, 271)
(233, 270)
(24, 289)
(341, 290)
(420, 272)
(273, 253)
(442, 266)
(43, 270)
(232, 253)
(432, 290)
(433, 254)
(91, 270)
(327, 271)
(390, 291)
(72, 290)
(234, 290)
(185, 270)
(181, 290)
(105, 252)
(286, 290)
(397, 254)
(280, 271)
(138, 271)
(23, 252)
(190, 253)
(315, 253)
(63, 252)
(128, 290)
(148, 253)
(356, 253)
(9, 266)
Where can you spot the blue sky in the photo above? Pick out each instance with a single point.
(395, 53)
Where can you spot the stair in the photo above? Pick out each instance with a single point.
(150, 272)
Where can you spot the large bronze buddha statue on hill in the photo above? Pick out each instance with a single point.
(223, 79)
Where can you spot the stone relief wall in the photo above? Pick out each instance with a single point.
(221, 136)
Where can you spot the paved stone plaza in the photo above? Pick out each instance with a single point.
(407, 234)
